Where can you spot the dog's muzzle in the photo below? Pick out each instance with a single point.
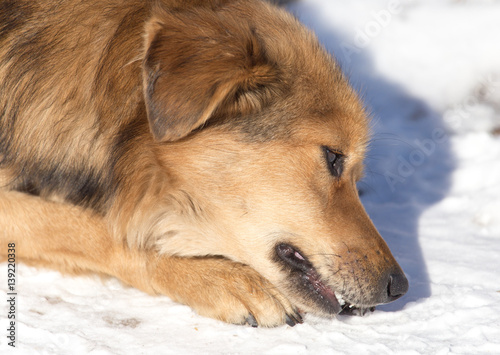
(308, 280)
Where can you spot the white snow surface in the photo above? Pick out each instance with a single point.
(429, 72)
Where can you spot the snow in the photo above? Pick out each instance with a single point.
(429, 71)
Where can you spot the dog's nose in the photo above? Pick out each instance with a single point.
(397, 285)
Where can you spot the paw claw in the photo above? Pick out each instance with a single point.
(293, 319)
(290, 321)
(252, 321)
(298, 317)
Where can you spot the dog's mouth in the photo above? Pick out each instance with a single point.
(308, 281)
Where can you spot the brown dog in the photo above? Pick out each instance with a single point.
(204, 150)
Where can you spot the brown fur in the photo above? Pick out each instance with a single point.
(175, 145)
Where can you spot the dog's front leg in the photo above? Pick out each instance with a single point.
(74, 240)
(222, 289)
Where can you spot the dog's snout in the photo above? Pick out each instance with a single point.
(397, 286)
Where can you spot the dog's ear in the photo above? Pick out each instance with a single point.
(199, 64)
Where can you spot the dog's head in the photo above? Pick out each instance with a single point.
(262, 140)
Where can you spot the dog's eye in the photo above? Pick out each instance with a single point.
(335, 162)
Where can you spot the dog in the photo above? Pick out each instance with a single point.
(206, 150)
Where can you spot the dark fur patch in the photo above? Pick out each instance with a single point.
(28, 187)
(81, 186)
(129, 134)
(13, 15)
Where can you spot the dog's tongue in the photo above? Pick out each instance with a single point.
(326, 292)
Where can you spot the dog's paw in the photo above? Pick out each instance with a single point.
(245, 297)
(224, 290)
